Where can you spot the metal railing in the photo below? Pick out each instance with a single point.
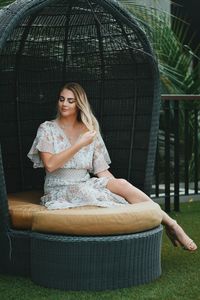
(177, 160)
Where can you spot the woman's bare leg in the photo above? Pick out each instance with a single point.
(134, 195)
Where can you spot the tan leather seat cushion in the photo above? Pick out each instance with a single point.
(99, 221)
(22, 206)
(27, 213)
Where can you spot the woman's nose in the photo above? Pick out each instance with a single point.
(66, 103)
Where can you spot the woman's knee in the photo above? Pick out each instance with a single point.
(118, 186)
(121, 183)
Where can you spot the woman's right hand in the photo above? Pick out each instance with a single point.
(87, 138)
(55, 161)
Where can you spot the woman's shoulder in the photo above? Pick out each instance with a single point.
(46, 124)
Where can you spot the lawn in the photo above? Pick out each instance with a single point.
(180, 277)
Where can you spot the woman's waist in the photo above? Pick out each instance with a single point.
(68, 175)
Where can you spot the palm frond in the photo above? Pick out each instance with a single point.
(175, 63)
(4, 3)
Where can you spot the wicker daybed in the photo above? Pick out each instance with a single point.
(44, 43)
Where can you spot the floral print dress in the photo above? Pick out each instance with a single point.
(72, 185)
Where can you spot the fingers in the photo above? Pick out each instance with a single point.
(93, 132)
(90, 133)
(87, 138)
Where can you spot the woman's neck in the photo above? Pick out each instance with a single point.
(69, 122)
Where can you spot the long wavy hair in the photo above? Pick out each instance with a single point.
(85, 113)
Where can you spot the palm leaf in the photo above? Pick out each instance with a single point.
(4, 3)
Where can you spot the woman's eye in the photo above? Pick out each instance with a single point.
(70, 100)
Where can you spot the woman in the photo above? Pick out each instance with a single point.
(70, 147)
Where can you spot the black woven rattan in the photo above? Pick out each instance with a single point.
(95, 263)
(14, 244)
(45, 43)
(96, 43)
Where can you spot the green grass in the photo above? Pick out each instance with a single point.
(180, 277)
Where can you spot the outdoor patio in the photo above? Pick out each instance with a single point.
(163, 160)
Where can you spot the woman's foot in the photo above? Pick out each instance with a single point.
(178, 237)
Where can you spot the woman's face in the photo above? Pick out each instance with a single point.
(67, 104)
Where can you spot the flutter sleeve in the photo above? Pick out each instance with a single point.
(101, 158)
(43, 142)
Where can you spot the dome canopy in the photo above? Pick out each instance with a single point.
(45, 43)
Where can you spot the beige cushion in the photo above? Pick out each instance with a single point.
(27, 213)
(22, 206)
(99, 221)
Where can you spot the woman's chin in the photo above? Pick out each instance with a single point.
(65, 114)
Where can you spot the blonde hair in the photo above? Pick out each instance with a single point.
(85, 113)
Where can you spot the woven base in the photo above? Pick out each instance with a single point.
(96, 263)
(15, 253)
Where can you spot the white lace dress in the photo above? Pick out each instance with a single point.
(71, 185)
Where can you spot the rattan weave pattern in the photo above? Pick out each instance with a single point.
(101, 46)
(4, 218)
(95, 263)
(15, 252)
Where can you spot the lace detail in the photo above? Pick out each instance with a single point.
(59, 193)
(43, 142)
(68, 175)
(101, 158)
(72, 186)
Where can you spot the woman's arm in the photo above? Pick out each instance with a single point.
(53, 162)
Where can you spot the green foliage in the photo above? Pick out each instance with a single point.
(178, 76)
(4, 3)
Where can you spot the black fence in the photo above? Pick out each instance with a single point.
(178, 156)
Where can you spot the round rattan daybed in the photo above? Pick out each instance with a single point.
(43, 44)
